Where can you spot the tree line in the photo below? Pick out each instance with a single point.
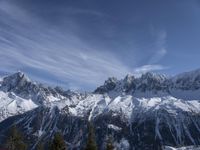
(15, 141)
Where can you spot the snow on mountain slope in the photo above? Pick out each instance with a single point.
(92, 104)
(182, 148)
(146, 109)
(190, 76)
(128, 96)
(127, 106)
(10, 105)
(18, 94)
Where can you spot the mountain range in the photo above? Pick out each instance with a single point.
(150, 112)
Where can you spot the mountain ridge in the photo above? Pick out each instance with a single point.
(154, 109)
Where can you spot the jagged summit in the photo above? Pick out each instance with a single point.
(18, 75)
(191, 74)
(16, 80)
(188, 80)
(154, 76)
(20, 80)
(131, 83)
(143, 112)
(109, 85)
(152, 82)
(19, 84)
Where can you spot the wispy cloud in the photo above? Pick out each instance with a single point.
(158, 54)
(148, 68)
(78, 11)
(29, 44)
(160, 45)
(73, 45)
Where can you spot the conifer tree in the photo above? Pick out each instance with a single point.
(58, 143)
(109, 145)
(40, 146)
(15, 140)
(91, 143)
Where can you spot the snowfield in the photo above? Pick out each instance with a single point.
(11, 105)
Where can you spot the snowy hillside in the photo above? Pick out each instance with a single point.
(18, 94)
(147, 111)
(10, 105)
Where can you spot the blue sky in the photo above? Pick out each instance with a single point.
(79, 43)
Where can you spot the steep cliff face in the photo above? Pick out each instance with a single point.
(148, 112)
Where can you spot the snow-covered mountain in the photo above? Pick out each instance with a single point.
(146, 112)
(19, 94)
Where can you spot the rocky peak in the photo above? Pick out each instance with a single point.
(151, 82)
(13, 81)
(111, 82)
(147, 82)
(153, 76)
(129, 78)
(109, 85)
(129, 83)
(187, 80)
(23, 87)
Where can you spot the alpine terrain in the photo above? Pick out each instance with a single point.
(150, 112)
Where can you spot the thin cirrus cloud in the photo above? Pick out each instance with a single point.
(158, 54)
(160, 45)
(66, 58)
(61, 57)
(148, 68)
